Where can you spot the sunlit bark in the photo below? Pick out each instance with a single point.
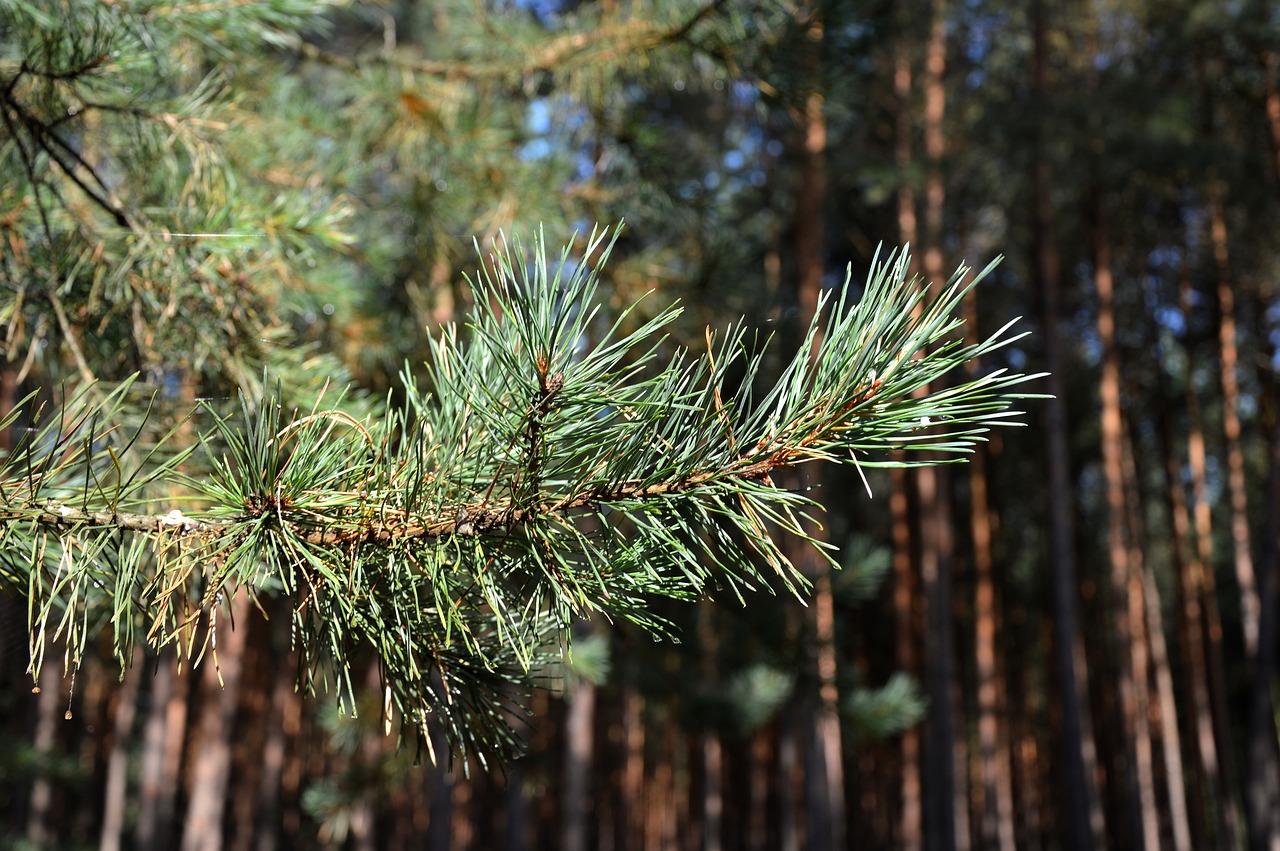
(1228, 362)
(1165, 702)
(115, 793)
(579, 753)
(51, 707)
(996, 813)
(1126, 584)
(215, 727)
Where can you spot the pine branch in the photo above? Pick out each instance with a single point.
(562, 465)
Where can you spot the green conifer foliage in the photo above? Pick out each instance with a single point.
(557, 468)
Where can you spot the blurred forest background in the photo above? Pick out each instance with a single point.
(1069, 642)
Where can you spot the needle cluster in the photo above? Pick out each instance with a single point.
(556, 463)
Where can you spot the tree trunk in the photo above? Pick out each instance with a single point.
(280, 732)
(1228, 360)
(996, 813)
(440, 811)
(115, 795)
(710, 748)
(1202, 518)
(579, 734)
(1082, 808)
(50, 710)
(1271, 99)
(1262, 760)
(163, 739)
(945, 804)
(1166, 702)
(784, 778)
(1126, 584)
(825, 804)
(1192, 648)
(215, 730)
(902, 484)
(633, 768)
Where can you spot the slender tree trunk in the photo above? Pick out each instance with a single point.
(462, 821)
(579, 735)
(945, 805)
(1192, 648)
(633, 767)
(1126, 584)
(825, 803)
(996, 814)
(1228, 361)
(1083, 817)
(279, 734)
(163, 740)
(1202, 563)
(902, 484)
(787, 769)
(115, 795)
(935, 102)
(711, 751)
(364, 808)
(215, 731)
(1262, 762)
(1262, 759)
(660, 815)
(254, 715)
(940, 813)
(50, 710)
(440, 813)
(1271, 99)
(1166, 702)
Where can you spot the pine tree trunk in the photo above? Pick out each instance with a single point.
(50, 711)
(215, 730)
(1228, 803)
(1082, 817)
(253, 715)
(1170, 736)
(1126, 584)
(785, 795)
(633, 768)
(1271, 100)
(1191, 645)
(579, 734)
(711, 751)
(517, 834)
(902, 483)
(1262, 760)
(440, 814)
(945, 807)
(825, 803)
(1228, 360)
(996, 814)
(279, 732)
(115, 794)
(163, 741)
